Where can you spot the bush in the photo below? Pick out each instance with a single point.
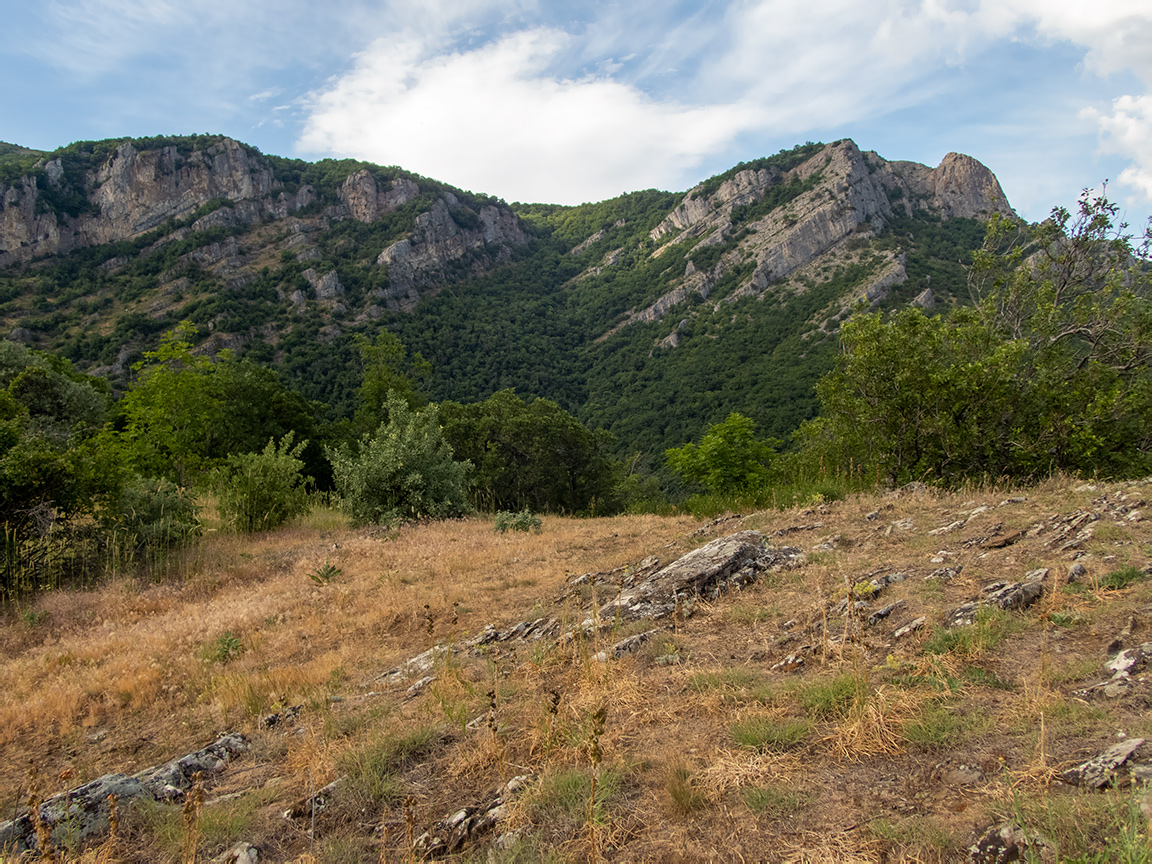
(525, 520)
(403, 472)
(263, 490)
(156, 515)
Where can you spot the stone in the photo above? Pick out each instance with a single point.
(880, 614)
(910, 627)
(707, 571)
(241, 853)
(1077, 572)
(1006, 842)
(307, 807)
(450, 834)
(1101, 771)
(418, 688)
(81, 814)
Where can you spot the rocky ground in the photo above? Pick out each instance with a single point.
(914, 676)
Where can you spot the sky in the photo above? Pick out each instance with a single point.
(568, 102)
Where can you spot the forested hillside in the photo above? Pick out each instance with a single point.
(732, 292)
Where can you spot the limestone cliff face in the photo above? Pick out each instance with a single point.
(137, 190)
(851, 193)
(366, 202)
(437, 242)
(134, 192)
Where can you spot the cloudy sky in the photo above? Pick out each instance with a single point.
(571, 102)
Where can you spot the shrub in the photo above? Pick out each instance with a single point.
(263, 490)
(156, 515)
(403, 472)
(525, 520)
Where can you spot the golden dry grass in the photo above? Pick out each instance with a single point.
(134, 673)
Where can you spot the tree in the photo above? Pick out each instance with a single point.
(384, 374)
(172, 418)
(404, 471)
(1050, 369)
(728, 459)
(531, 455)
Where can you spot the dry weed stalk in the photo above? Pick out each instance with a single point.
(42, 828)
(595, 755)
(410, 827)
(193, 807)
(384, 837)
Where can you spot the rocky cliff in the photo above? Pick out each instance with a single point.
(844, 193)
(139, 190)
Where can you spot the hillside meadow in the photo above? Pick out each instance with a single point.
(763, 725)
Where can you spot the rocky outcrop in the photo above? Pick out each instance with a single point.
(138, 190)
(327, 287)
(365, 201)
(959, 186)
(851, 193)
(438, 242)
(82, 813)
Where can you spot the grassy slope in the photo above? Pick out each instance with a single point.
(876, 749)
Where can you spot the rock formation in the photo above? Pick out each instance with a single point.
(851, 193)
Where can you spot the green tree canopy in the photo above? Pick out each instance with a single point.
(530, 454)
(387, 370)
(728, 459)
(1051, 369)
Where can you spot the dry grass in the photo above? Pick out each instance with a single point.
(136, 673)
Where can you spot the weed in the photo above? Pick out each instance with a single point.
(561, 798)
(1092, 828)
(371, 769)
(226, 648)
(937, 726)
(984, 678)
(989, 628)
(734, 678)
(915, 836)
(1108, 531)
(34, 617)
(1122, 578)
(525, 521)
(775, 802)
(325, 574)
(681, 786)
(829, 698)
(750, 614)
(770, 733)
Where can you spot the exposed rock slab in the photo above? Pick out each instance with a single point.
(1000, 595)
(709, 571)
(1101, 771)
(81, 814)
(451, 833)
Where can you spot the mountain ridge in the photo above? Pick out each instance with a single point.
(105, 244)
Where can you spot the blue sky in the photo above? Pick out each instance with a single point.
(560, 102)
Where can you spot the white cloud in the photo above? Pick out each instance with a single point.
(1127, 130)
(497, 120)
(515, 117)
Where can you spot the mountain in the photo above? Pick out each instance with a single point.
(652, 314)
